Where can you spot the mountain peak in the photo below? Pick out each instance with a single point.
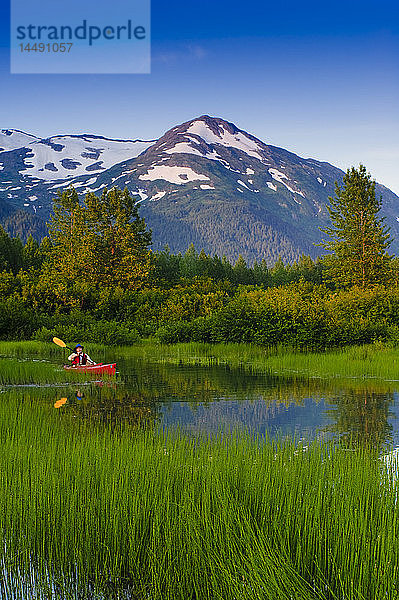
(204, 135)
(215, 124)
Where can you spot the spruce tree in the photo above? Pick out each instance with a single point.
(11, 250)
(31, 254)
(358, 237)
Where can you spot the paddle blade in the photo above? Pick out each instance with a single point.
(59, 342)
(60, 402)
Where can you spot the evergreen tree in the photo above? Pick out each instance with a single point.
(11, 251)
(263, 272)
(5, 250)
(45, 248)
(278, 272)
(241, 272)
(227, 269)
(32, 258)
(166, 266)
(189, 262)
(358, 237)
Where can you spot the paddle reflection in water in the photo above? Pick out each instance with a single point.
(60, 402)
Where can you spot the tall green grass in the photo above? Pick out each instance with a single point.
(165, 517)
(30, 372)
(377, 360)
(370, 361)
(29, 348)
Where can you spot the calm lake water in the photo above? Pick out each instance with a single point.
(219, 398)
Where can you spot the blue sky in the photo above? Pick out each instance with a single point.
(320, 79)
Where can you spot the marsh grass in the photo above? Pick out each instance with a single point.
(28, 348)
(99, 512)
(377, 360)
(371, 361)
(37, 363)
(163, 516)
(30, 372)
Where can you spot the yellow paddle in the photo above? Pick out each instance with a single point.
(61, 343)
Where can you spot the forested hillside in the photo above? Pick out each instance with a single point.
(95, 278)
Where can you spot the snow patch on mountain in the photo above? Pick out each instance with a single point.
(12, 139)
(243, 184)
(278, 175)
(63, 157)
(238, 140)
(188, 148)
(177, 175)
(158, 196)
(58, 185)
(290, 189)
(183, 148)
(142, 193)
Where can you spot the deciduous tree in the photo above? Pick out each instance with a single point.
(99, 243)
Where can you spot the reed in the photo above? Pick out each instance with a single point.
(34, 372)
(113, 513)
(369, 361)
(28, 348)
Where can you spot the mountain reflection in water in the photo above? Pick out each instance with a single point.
(210, 399)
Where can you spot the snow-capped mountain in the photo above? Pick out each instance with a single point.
(68, 156)
(204, 181)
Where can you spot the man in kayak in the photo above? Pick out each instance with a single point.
(79, 357)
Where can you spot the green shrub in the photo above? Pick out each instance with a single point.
(17, 320)
(174, 332)
(110, 333)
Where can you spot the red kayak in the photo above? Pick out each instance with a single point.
(99, 368)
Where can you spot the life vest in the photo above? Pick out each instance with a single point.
(80, 359)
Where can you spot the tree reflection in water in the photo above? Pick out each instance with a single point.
(214, 397)
(361, 418)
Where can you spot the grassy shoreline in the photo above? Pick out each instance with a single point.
(376, 361)
(370, 361)
(173, 518)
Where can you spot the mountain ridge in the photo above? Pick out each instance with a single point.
(203, 181)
